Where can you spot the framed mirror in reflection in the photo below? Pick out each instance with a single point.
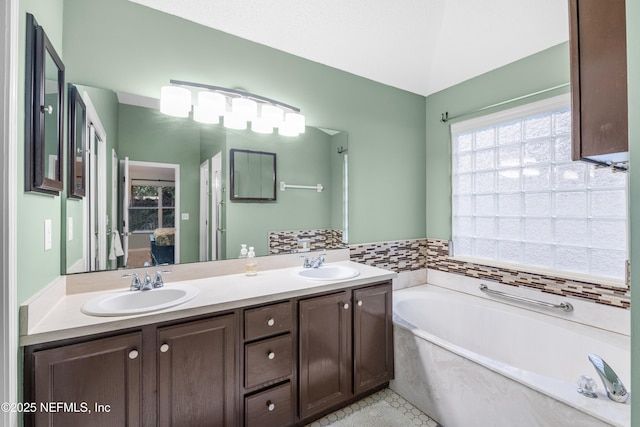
(253, 175)
(208, 224)
(44, 112)
(77, 145)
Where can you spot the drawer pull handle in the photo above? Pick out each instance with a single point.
(164, 348)
(133, 354)
(271, 321)
(359, 303)
(271, 355)
(271, 406)
(346, 306)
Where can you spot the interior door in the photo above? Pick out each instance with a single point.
(204, 211)
(217, 201)
(124, 171)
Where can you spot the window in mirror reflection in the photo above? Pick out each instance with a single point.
(152, 207)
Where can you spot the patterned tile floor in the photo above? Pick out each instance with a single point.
(417, 417)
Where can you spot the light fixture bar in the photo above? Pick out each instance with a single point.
(235, 92)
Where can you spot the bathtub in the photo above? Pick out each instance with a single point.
(474, 360)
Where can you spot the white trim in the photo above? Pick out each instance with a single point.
(178, 219)
(9, 17)
(542, 106)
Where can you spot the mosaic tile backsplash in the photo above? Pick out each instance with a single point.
(285, 242)
(407, 255)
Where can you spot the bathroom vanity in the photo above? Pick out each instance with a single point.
(279, 357)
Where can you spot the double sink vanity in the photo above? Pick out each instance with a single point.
(281, 348)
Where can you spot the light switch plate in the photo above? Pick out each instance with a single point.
(185, 216)
(47, 234)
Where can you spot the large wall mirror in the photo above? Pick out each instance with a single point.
(171, 177)
(44, 112)
(253, 175)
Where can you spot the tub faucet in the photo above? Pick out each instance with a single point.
(612, 383)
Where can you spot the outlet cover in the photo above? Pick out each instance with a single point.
(47, 234)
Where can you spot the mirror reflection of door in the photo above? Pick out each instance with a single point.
(150, 213)
(95, 200)
(217, 202)
(204, 211)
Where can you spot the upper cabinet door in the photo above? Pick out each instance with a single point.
(599, 80)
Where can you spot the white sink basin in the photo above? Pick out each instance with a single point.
(125, 303)
(327, 272)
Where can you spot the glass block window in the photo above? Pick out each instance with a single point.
(518, 198)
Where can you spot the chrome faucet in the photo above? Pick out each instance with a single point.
(136, 285)
(313, 263)
(612, 383)
(147, 284)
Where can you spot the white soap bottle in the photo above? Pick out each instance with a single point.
(243, 251)
(251, 267)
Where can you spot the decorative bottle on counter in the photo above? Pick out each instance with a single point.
(243, 251)
(251, 268)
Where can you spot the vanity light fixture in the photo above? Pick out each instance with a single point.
(236, 107)
(175, 101)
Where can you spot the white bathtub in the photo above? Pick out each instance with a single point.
(472, 360)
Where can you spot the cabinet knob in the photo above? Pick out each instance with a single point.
(271, 355)
(133, 354)
(359, 303)
(164, 348)
(271, 321)
(346, 306)
(271, 406)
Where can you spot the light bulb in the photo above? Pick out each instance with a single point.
(175, 101)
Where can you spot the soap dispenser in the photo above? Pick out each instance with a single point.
(251, 268)
(243, 251)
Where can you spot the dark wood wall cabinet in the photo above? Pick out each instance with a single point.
(280, 364)
(599, 81)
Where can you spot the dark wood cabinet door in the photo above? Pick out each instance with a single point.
(372, 337)
(324, 352)
(96, 383)
(598, 79)
(198, 376)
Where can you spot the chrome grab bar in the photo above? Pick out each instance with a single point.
(564, 306)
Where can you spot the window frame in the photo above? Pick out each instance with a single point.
(519, 112)
(159, 209)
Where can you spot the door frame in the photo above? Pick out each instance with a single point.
(98, 208)
(205, 179)
(126, 163)
(216, 205)
(9, 16)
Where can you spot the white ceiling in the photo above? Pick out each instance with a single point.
(421, 46)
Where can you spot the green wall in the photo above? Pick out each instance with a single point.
(131, 48)
(135, 49)
(106, 106)
(148, 135)
(305, 160)
(36, 267)
(544, 70)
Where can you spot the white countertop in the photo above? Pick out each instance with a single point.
(63, 318)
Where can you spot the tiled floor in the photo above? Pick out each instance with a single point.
(406, 411)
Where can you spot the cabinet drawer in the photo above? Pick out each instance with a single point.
(272, 407)
(268, 360)
(270, 320)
